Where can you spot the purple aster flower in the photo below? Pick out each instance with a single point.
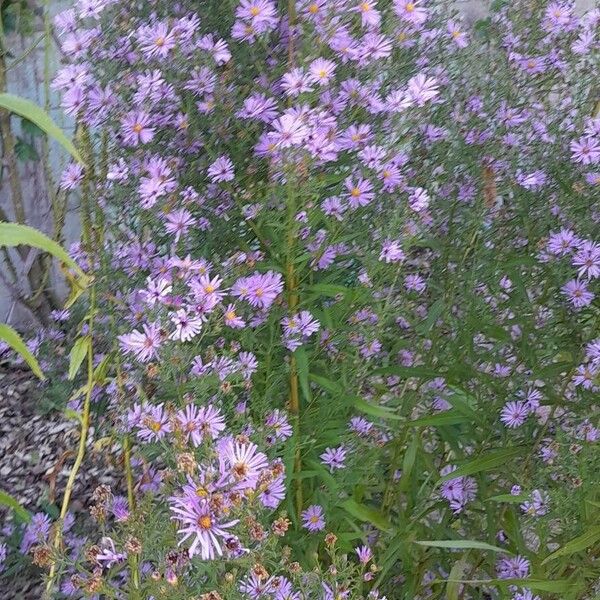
(197, 423)
(360, 192)
(313, 518)
(334, 458)
(563, 242)
(143, 345)
(120, 508)
(244, 463)
(537, 505)
(577, 293)
(278, 421)
(514, 414)
(410, 11)
(586, 151)
(321, 71)
(156, 41)
(273, 493)
(187, 326)
(418, 200)
(199, 522)
(296, 82)
(154, 424)
(137, 129)
(36, 532)
(221, 170)
(421, 89)
(72, 176)
(364, 553)
(458, 36)
(587, 260)
(512, 567)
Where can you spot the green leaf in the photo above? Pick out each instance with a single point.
(38, 116)
(509, 498)
(459, 570)
(448, 417)
(78, 354)
(31, 128)
(13, 339)
(484, 462)
(302, 368)
(460, 545)
(591, 536)
(15, 234)
(556, 586)
(408, 463)
(333, 387)
(328, 289)
(13, 503)
(404, 372)
(25, 151)
(375, 411)
(364, 513)
(435, 311)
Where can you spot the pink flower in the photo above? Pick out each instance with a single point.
(421, 89)
(136, 129)
(221, 170)
(186, 326)
(143, 345)
(408, 10)
(321, 71)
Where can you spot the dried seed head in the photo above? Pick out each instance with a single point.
(42, 556)
(330, 539)
(295, 567)
(91, 554)
(260, 571)
(133, 545)
(280, 526)
(102, 494)
(186, 463)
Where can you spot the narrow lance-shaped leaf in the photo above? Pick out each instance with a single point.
(13, 339)
(37, 115)
(15, 234)
(577, 544)
(484, 462)
(365, 513)
(77, 355)
(460, 545)
(8, 500)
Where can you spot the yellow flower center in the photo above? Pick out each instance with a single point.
(355, 192)
(322, 74)
(160, 42)
(209, 289)
(313, 8)
(201, 492)
(365, 7)
(230, 315)
(410, 7)
(137, 128)
(255, 11)
(205, 522)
